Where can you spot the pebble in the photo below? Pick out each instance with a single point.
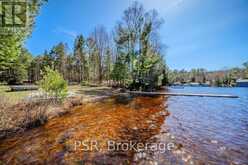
(177, 152)
(222, 148)
(140, 155)
(135, 128)
(214, 141)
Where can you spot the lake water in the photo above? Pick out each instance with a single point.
(211, 130)
(203, 131)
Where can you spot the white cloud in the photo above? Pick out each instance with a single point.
(69, 33)
(165, 6)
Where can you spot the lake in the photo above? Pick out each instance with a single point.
(211, 130)
(202, 130)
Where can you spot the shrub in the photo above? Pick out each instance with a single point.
(34, 114)
(53, 84)
(5, 120)
(20, 117)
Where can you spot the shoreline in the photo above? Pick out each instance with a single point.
(110, 120)
(15, 125)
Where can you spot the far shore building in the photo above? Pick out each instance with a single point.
(242, 83)
(194, 84)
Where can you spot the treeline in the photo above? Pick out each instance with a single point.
(131, 55)
(90, 62)
(226, 77)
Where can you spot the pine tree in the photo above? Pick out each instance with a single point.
(108, 65)
(58, 53)
(79, 54)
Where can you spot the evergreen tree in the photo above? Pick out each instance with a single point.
(79, 54)
(18, 72)
(11, 45)
(246, 70)
(138, 43)
(108, 65)
(58, 53)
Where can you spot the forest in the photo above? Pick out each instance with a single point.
(225, 77)
(131, 55)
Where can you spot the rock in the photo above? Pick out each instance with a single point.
(65, 136)
(186, 158)
(152, 126)
(214, 141)
(67, 105)
(135, 128)
(191, 162)
(76, 101)
(164, 132)
(222, 148)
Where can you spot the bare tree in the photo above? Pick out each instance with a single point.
(101, 40)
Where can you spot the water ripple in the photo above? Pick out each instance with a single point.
(218, 127)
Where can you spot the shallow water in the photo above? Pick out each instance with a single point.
(202, 131)
(120, 120)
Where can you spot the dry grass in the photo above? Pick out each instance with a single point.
(18, 115)
(6, 121)
(22, 116)
(34, 114)
(85, 91)
(18, 118)
(13, 97)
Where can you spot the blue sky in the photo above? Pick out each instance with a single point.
(211, 34)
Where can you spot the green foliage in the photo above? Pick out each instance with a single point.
(120, 71)
(216, 78)
(18, 71)
(218, 82)
(138, 44)
(135, 57)
(246, 65)
(11, 47)
(246, 69)
(47, 61)
(85, 83)
(108, 65)
(54, 84)
(58, 53)
(80, 58)
(18, 74)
